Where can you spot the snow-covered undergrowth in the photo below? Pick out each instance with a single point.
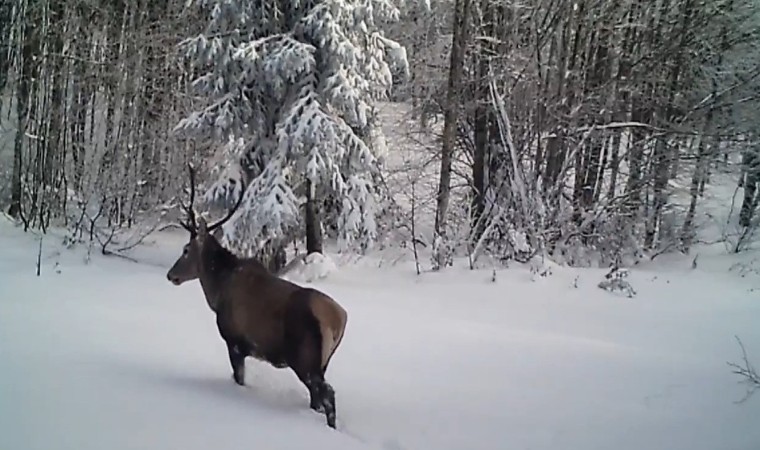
(312, 267)
(412, 175)
(109, 355)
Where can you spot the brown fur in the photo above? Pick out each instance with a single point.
(258, 304)
(333, 324)
(263, 316)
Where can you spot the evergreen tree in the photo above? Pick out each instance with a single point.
(290, 86)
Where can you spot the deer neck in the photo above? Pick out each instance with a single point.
(217, 263)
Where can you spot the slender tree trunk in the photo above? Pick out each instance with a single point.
(687, 233)
(481, 125)
(54, 144)
(663, 155)
(599, 73)
(313, 224)
(25, 88)
(750, 200)
(451, 114)
(6, 43)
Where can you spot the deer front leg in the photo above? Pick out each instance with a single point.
(237, 361)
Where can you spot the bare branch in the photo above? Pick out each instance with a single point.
(747, 372)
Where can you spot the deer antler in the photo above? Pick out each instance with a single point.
(231, 212)
(190, 225)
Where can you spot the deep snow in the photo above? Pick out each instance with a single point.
(109, 355)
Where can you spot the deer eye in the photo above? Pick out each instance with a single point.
(184, 250)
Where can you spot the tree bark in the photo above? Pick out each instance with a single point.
(662, 153)
(26, 85)
(687, 233)
(451, 114)
(751, 163)
(481, 128)
(6, 26)
(313, 224)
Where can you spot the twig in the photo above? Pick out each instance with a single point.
(746, 371)
(168, 226)
(141, 239)
(745, 236)
(414, 232)
(663, 250)
(104, 244)
(106, 252)
(39, 257)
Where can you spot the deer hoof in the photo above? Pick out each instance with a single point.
(238, 379)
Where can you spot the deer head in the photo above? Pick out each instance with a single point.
(187, 266)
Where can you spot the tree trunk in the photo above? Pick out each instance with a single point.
(55, 142)
(751, 163)
(313, 224)
(481, 129)
(687, 233)
(451, 114)
(6, 25)
(25, 88)
(662, 153)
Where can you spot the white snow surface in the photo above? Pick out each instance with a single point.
(110, 355)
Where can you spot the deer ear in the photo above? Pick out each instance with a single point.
(202, 226)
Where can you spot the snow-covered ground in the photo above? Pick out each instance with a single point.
(109, 355)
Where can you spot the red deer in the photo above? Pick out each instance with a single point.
(259, 314)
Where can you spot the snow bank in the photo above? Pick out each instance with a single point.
(111, 356)
(314, 266)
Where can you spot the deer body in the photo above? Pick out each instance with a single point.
(256, 309)
(263, 316)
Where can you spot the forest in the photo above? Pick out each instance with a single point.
(585, 131)
(504, 224)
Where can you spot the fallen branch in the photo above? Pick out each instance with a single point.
(106, 252)
(747, 372)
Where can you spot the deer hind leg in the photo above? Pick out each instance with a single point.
(322, 395)
(327, 398)
(306, 363)
(305, 368)
(315, 395)
(304, 356)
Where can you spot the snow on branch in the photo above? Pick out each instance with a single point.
(342, 91)
(200, 121)
(614, 125)
(298, 97)
(286, 59)
(269, 208)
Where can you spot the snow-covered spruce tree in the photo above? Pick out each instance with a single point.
(290, 86)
